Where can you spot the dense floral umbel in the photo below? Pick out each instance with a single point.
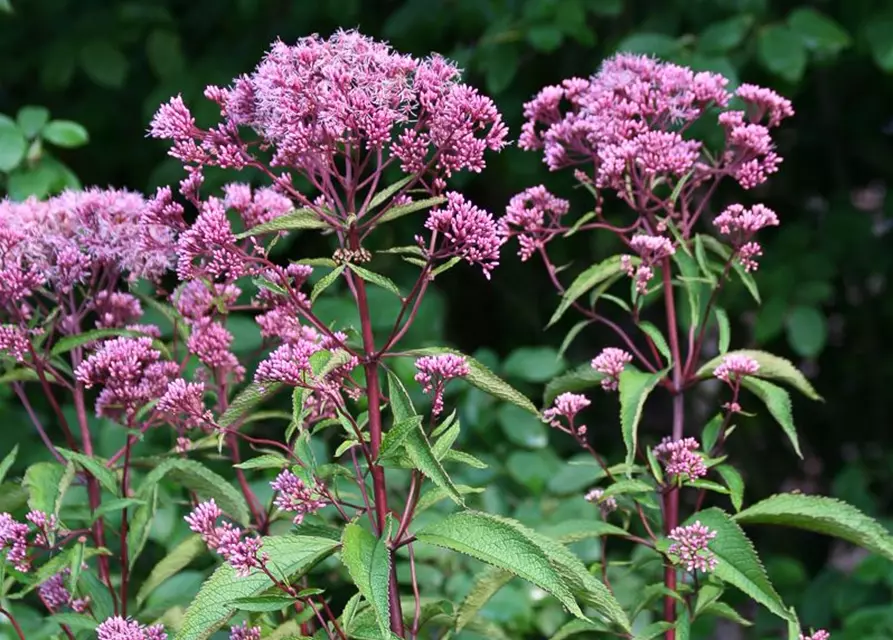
(740, 225)
(679, 458)
(736, 366)
(14, 540)
(533, 215)
(296, 496)
(463, 230)
(435, 371)
(690, 544)
(611, 362)
(118, 628)
(244, 554)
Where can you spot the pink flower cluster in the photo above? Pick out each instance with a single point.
(131, 373)
(118, 628)
(244, 632)
(679, 458)
(243, 554)
(14, 539)
(611, 362)
(690, 544)
(463, 230)
(736, 366)
(821, 634)
(295, 496)
(435, 371)
(55, 594)
(14, 341)
(567, 406)
(183, 405)
(607, 505)
(257, 207)
(741, 225)
(652, 250)
(534, 216)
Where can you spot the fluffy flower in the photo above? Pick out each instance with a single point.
(679, 458)
(534, 216)
(257, 207)
(183, 403)
(651, 250)
(740, 225)
(244, 554)
(208, 248)
(295, 496)
(14, 342)
(465, 231)
(435, 371)
(690, 544)
(210, 342)
(736, 366)
(567, 406)
(115, 309)
(611, 362)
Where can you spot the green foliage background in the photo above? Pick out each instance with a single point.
(825, 277)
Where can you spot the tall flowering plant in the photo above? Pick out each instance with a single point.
(628, 133)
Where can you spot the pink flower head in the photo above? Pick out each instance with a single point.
(651, 250)
(534, 216)
(740, 225)
(115, 309)
(130, 372)
(208, 248)
(690, 544)
(54, 593)
(611, 362)
(607, 505)
(14, 539)
(118, 628)
(736, 366)
(183, 403)
(465, 231)
(263, 205)
(14, 342)
(243, 554)
(210, 341)
(289, 364)
(435, 371)
(294, 495)
(244, 632)
(679, 458)
(821, 634)
(567, 406)
(764, 103)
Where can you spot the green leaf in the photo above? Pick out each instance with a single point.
(658, 338)
(781, 51)
(56, 564)
(289, 555)
(579, 379)
(101, 603)
(31, 119)
(95, 466)
(772, 367)
(416, 443)
(622, 487)
(262, 604)
(116, 505)
(433, 495)
(778, 402)
(545, 37)
(725, 329)
(571, 335)
(141, 524)
(521, 428)
(590, 278)
(576, 627)
(879, 33)
(723, 36)
(737, 562)
(369, 563)
(416, 205)
(807, 331)
(7, 462)
(297, 219)
(635, 386)
(178, 559)
(376, 278)
(533, 364)
(818, 32)
(104, 63)
(822, 515)
(464, 458)
(43, 480)
(246, 400)
(486, 584)
(575, 530)
(722, 610)
(650, 43)
(734, 482)
(205, 483)
(13, 144)
(65, 133)
(382, 196)
(265, 461)
(482, 378)
(74, 621)
(395, 436)
(710, 434)
(325, 282)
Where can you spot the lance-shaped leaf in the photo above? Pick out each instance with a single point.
(591, 277)
(246, 400)
(737, 562)
(635, 386)
(369, 563)
(579, 379)
(510, 546)
(482, 378)
(822, 515)
(290, 556)
(78, 340)
(7, 462)
(376, 278)
(325, 282)
(778, 402)
(298, 219)
(43, 481)
(486, 585)
(405, 209)
(772, 367)
(95, 466)
(173, 562)
(388, 192)
(141, 524)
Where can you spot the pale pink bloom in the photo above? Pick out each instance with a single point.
(465, 231)
(13, 538)
(244, 632)
(679, 458)
(297, 497)
(611, 362)
(435, 371)
(736, 366)
(534, 216)
(567, 406)
(690, 544)
(607, 505)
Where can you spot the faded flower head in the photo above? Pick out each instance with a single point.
(534, 216)
(736, 366)
(679, 458)
(611, 362)
(567, 406)
(690, 544)
(295, 496)
(435, 371)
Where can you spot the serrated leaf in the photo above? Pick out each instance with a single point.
(445, 442)
(43, 480)
(579, 379)
(369, 563)
(56, 564)
(247, 399)
(8, 461)
(635, 386)
(576, 627)
(264, 603)
(465, 458)
(141, 524)
(95, 466)
(117, 504)
(178, 558)
(722, 610)
(416, 443)
(486, 584)
(823, 515)
(622, 487)
(482, 378)
(737, 562)
(298, 219)
(265, 461)
(376, 278)
(433, 495)
(325, 282)
(590, 278)
(101, 604)
(416, 205)
(575, 530)
(290, 555)
(395, 436)
(734, 482)
(380, 197)
(205, 483)
(658, 338)
(778, 402)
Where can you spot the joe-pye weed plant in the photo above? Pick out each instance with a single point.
(351, 136)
